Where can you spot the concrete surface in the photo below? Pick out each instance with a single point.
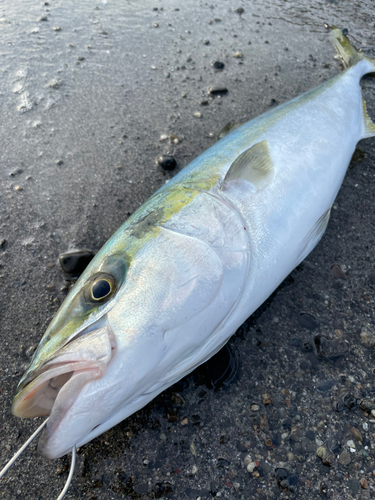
(86, 95)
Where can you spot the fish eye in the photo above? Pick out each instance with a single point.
(101, 288)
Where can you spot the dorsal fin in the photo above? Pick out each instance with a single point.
(368, 126)
(253, 165)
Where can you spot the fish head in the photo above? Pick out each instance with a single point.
(117, 338)
(76, 350)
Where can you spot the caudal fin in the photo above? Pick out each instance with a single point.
(349, 54)
(350, 57)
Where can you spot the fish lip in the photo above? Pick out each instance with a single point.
(82, 360)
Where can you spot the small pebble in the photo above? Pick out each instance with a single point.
(53, 84)
(194, 469)
(166, 162)
(356, 434)
(351, 445)
(337, 272)
(238, 55)
(239, 10)
(322, 452)
(184, 421)
(206, 42)
(254, 407)
(30, 351)
(217, 89)
(344, 458)
(251, 466)
(18, 188)
(197, 114)
(80, 58)
(218, 65)
(264, 425)
(364, 483)
(56, 28)
(42, 18)
(174, 138)
(266, 399)
(59, 162)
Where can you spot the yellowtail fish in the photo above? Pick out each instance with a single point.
(172, 285)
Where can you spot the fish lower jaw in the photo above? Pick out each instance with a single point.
(58, 384)
(39, 397)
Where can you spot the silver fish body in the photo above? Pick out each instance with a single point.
(192, 264)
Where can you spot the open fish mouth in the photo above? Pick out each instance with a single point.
(55, 387)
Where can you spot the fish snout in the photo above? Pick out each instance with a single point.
(58, 382)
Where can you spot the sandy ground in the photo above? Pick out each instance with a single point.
(86, 95)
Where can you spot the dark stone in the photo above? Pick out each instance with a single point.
(337, 272)
(239, 10)
(281, 475)
(310, 435)
(75, 262)
(167, 162)
(276, 439)
(326, 385)
(329, 349)
(217, 89)
(218, 65)
(307, 321)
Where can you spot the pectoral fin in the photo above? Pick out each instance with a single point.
(253, 165)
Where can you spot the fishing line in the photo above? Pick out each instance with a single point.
(23, 448)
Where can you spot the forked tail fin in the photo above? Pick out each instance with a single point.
(350, 57)
(349, 54)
